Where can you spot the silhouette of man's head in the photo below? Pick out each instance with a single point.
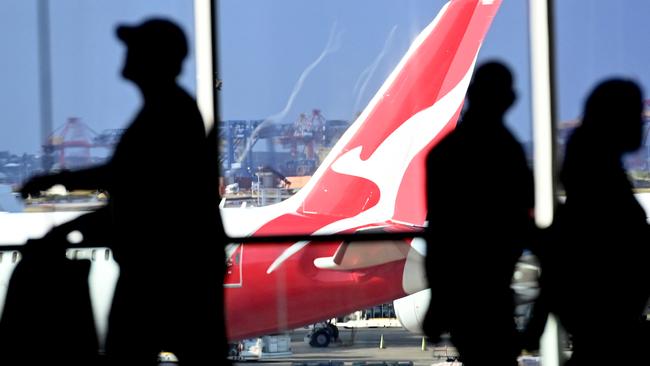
(613, 115)
(156, 49)
(491, 89)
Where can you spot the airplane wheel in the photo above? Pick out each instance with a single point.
(334, 331)
(320, 338)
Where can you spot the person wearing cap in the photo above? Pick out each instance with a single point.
(163, 222)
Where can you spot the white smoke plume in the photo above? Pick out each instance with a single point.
(333, 44)
(365, 76)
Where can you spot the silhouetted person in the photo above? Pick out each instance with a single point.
(480, 197)
(597, 276)
(162, 218)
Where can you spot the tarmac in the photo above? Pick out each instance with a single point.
(364, 346)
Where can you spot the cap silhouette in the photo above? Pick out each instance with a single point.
(157, 44)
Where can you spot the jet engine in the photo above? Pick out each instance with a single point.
(410, 310)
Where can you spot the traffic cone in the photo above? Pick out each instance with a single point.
(424, 344)
(381, 342)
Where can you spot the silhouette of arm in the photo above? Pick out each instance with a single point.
(90, 178)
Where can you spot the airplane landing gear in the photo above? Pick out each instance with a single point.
(334, 331)
(320, 338)
(322, 334)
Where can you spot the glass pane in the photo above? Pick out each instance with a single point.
(598, 41)
(90, 103)
(296, 75)
(62, 62)
(606, 43)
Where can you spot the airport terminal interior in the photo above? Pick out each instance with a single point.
(321, 116)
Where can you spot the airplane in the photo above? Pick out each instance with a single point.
(371, 181)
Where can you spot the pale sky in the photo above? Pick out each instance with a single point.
(265, 46)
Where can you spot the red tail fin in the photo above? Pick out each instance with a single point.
(375, 173)
(376, 170)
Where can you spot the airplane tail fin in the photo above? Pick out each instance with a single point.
(376, 170)
(376, 173)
